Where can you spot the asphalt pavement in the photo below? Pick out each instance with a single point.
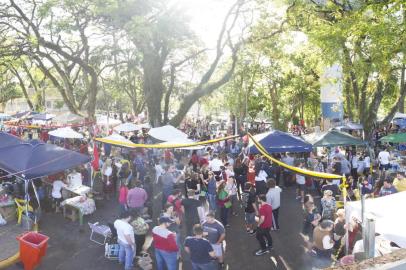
(70, 248)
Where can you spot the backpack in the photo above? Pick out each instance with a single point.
(244, 199)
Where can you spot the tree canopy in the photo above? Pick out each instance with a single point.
(141, 55)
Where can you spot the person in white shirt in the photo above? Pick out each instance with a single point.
(354, 166)
(56, 193)
(300, 181)
(125, 239)
(383, 158)
(367, 162)
(57, 186)
(273, 197)
(260, 179)
(215, 166)
(361, 166)
(107, 172)
(159, 171)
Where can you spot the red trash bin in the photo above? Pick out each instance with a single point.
(33, 247)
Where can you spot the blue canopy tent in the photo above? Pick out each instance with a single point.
(24, 114)
(29, 160)
(278, 142)
(43, 116)
(7, 139)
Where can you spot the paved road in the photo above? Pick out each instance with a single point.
(70, 248)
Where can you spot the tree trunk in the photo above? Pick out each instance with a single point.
(275, 114)
(92, 96)
(153, 86)
(24, 89)
(347, 93)
(402, 89)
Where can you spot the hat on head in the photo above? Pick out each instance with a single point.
(164, 219)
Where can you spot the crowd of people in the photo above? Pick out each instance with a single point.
(203, 189)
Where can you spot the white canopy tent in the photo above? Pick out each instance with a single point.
(399, 115)
(144, 125)
(68, 118)
(103, 120)
(387, 211)
(168, 133)
(127, 127)
(117, 138)
(66, 132)
(181, 141)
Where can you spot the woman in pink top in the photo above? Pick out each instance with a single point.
(122, 197)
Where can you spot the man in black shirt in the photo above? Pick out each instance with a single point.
(200, 250)
(190, 208)
(330, 186)
(250, 207)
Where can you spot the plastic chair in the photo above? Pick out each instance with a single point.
(21, 208)
(102, 230)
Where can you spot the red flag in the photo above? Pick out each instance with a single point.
(95, 161)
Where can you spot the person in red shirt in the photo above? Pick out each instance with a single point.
(166, 249)
(263, 234)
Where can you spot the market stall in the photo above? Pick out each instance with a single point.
(279, 142)
(7, 139)
(27, 161)
(332, 138)
(398, 155)
(68, 118)
(127, 127)
(24, 115)
(66, 133)
(167, 133)
(104, 120)
(385, 212)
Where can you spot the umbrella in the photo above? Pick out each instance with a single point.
(68, 118)
(127, 127)
(36, 159)
(66, 132)
(394, 138)
(43, 116)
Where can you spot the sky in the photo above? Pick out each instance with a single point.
(206, 17)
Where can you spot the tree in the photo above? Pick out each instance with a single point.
(165, 42)
(367, 39)
(59, 45)
(8, 89)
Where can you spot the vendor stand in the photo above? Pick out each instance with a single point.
(398, 155)
(35, 160)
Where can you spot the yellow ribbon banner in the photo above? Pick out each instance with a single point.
(163, 145)
(295, 169)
